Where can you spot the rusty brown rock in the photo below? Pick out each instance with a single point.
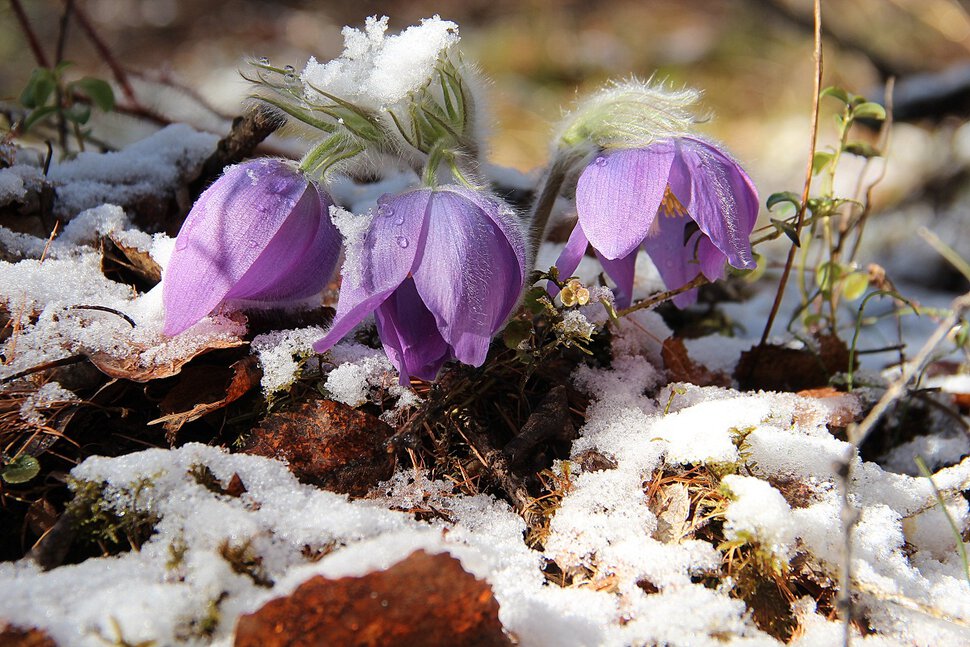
(15, 637)
(328, 444)
(422, 601)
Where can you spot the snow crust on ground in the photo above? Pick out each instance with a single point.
(906, 564)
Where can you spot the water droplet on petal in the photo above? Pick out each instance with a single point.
(402, 242)
(263, 60)
(385, 211)
(600, 161)
(290, 78)
(252, 243)
(289, 69)
(399, 220)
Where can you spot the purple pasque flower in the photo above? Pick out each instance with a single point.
(261, 232)
(686, 203)
(441, 269)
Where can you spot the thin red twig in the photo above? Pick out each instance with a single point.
(29, 34)
(808, 175)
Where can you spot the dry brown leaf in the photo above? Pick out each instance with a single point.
(197, 386)
(130, 367)
(681, 368)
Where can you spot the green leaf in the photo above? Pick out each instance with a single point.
(78, 114)
(20, 470)
(835, 93)
(821, 160)
(536, 300)
(39, 88)
(788, 229)
(862, 149)
(751, 276)
(784, 196)
(516, 332)
(826, 276)
(869, 110)
(38, 115)
(98, 90)
(855, 285)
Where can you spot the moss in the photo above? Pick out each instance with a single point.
(243, 560)
(116, 524)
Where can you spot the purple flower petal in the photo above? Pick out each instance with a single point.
(392, 247)
(571, 256)
(675, 261)
(722, 199)
(299, 261)
(410, 336)
(622, 271)
(618, 196)
(227, 230)
(470, 275)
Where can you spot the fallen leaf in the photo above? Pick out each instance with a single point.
(681, 368)
(424, 600)
(133, 367)
(197, 386)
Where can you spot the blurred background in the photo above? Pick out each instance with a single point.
(752, 58)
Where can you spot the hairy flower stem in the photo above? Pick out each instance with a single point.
(555, 177)
(660, 297)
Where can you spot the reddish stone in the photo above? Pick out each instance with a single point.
(423, 601)
(15, 637)
(327, 444)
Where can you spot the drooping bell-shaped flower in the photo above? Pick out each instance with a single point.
(441, 269)
(690, 206)
(261, 232)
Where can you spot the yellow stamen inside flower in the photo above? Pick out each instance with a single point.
(670, 206)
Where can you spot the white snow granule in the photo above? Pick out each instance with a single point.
(376, 71)
(758, 512)
(353, 228)
(280, 353)
(42, 398)
(362, 372)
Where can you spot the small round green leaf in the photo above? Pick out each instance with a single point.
(835, 93)
(20, 470)
(98, 90)
(869, 110)
(855, 285)
(821, 160)
(784, 196)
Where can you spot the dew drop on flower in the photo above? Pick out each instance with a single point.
(399, 220)
(385, 211)
(402, 242)
(600, 161)
(290, 77)
(289, 69)
(182, 241)
(263, 60)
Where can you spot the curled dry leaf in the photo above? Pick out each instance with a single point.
(195, 390)
(136, 368)
(131, 264)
